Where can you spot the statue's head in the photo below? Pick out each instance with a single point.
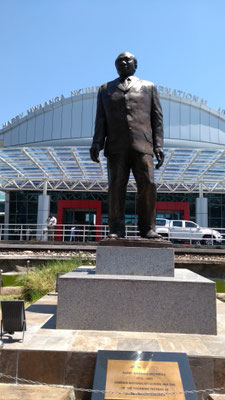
(126, 64)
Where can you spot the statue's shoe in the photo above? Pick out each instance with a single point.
(153, 235)
(113, 236)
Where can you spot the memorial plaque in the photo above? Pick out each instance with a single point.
(142, 377)
(126, 375)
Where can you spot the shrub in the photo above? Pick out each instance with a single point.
(43, 280)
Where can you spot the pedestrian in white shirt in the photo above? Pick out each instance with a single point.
(51, 224)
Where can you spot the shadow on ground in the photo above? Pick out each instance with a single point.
(7, 339)
(42, 308)
(50, 324)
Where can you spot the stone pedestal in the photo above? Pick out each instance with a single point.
(135, 288)
(185, 303)
(144, 261)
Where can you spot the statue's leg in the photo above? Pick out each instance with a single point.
(143, 170)
(118, 176)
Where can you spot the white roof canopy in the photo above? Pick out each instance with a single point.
(70, 168)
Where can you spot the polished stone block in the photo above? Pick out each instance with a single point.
(185, 303)
(146, 261)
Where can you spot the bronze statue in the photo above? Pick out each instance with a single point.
(129, 125)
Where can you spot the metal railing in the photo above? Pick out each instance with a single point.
(93, 233)
(64, 232)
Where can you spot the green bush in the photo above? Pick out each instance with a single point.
(43, 280)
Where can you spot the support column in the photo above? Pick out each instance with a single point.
(6, 218)
(43, 213)
(201, 209)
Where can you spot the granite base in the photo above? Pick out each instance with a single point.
(185, 303)
(145, 261)
(135, 242)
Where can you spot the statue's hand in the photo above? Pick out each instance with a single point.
(160, 158)
(94, 153)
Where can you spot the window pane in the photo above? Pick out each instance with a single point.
(177, 223)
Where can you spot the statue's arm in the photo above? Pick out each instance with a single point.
(157, 127)
(100, 129)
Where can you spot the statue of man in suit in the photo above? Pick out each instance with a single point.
(129, 126)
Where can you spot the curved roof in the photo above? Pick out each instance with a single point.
(70, 121)
(70, 168)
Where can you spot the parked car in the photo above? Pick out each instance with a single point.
(181, 231)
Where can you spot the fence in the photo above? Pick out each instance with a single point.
(94, 233)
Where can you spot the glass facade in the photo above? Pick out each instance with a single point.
(24, 205)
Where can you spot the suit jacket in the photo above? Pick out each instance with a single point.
(128, 118)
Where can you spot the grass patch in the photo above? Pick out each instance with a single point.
(43, 280)
(12, 280)
(9, 297)
(220, 285)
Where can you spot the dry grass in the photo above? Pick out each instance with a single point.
(43, 280)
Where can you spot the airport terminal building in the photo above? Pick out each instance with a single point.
(45, 164)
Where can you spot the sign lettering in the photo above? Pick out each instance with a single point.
(139, 380)
(94, 89)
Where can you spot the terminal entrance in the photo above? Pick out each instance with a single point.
(172, 210)
(79, 217)
(76, 219)
(79, 220)
(169, 214)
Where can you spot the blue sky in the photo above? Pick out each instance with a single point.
(50, 47)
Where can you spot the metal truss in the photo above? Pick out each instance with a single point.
(70, 169)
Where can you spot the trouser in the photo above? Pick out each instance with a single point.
(51, 233)
(119, 167)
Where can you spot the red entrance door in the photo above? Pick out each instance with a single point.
(64, 205)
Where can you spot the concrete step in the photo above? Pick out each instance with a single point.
(35, 392)
(216, 396)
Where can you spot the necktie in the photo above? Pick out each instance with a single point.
(125, 82)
